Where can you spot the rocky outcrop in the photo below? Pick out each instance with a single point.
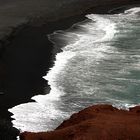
(98, 122)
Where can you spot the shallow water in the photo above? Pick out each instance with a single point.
(100, 63)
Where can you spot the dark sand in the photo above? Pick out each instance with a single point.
(27, 57)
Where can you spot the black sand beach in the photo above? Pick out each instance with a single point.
(25, 58)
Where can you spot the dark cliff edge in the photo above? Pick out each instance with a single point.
(98, 122)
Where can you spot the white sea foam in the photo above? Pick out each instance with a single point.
(133, 11)
(91, 69)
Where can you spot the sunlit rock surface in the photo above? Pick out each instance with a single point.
(95, 123)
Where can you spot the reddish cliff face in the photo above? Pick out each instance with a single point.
(98, 122)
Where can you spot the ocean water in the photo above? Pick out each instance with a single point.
(99, 64)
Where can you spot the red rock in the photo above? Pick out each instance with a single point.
(98, 122)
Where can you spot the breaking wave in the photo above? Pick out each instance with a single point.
(99, 63)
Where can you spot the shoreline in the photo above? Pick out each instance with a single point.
(17, 37)
(62, 24)
(97, 122)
